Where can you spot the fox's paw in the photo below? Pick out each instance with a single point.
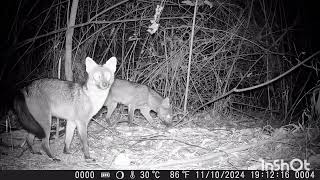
(35, 152)
(131, 124)
(56, 159)
(66, 151)
(90, 160)
(39, 153)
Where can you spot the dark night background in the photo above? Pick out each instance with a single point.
(304, 15)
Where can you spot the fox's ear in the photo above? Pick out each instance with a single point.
(111, 64)
(166, 102)
(90, 64)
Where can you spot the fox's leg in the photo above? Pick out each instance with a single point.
(111, 107)
(30, 140)
(82, 130)
(71, 126)
(131, 110)
(41, 112)
(146, 113)
(46, 148)
(29, 145)
(46, 141)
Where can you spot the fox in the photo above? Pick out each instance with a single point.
(138, 96)
(77, 103)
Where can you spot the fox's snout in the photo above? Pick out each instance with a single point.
(104, 85)
(167, 123)
(166, 119)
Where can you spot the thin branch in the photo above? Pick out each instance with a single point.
(190, 56)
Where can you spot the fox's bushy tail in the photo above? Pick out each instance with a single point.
(25, 117)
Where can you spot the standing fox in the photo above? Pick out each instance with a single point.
(138, 96)
(37, 103)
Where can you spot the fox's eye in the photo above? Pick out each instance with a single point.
(97, 76)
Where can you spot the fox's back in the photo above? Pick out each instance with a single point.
(139, 95)
(54, 89)
(61, 97)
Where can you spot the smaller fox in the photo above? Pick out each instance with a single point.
(77, 103)
(138, 96)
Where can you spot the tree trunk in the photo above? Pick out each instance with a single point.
(69, 35)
